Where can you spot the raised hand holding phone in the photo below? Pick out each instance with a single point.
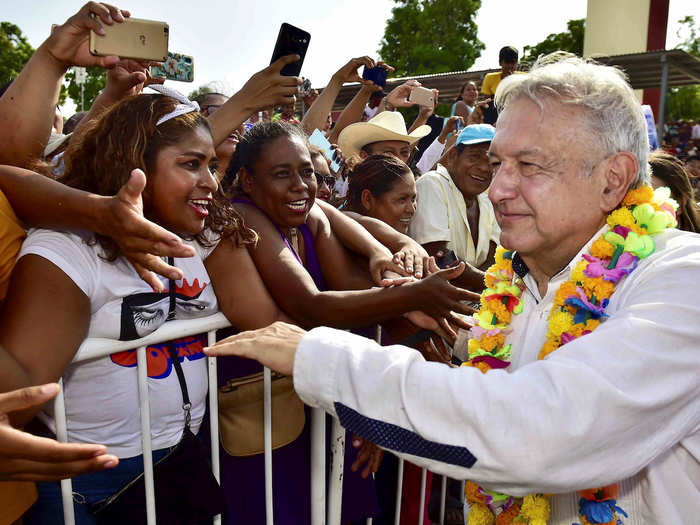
(69, 42)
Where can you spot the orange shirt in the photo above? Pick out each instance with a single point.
(11, 236)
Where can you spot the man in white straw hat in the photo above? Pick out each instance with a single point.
(384, 133)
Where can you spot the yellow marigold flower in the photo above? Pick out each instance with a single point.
(638, 196)
(490, 280)
(577, 274)
(602, 249)
(559, 322)
(621, 217)
(599, 287)
(549, 347)
(565, 290)
(498, 308)
(480, 514)
(498, 256)
(473, 346)
(535, 509)
(472, 494)
(638, 230)
(488, 343)
(592, 324)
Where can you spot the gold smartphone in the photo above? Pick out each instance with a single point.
(133, 38)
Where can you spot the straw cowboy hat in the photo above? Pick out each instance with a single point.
(387, 125)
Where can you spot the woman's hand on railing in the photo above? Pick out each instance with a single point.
(369, 455)
(25, 457)
(273, 346)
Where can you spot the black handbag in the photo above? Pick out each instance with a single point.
(185, 488)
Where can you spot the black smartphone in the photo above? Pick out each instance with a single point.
(447, 260)
(291, 41)
(376, 74)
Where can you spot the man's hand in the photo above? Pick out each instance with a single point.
(69, 43)
(142, 242)
(268, 87)
(349, 73)
(398, 97)
(25, 457)
(273, 346)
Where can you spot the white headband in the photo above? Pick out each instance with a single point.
(185, 105)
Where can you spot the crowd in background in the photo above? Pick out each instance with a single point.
(151, 207)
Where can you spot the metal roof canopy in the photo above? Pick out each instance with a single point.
(652, 69)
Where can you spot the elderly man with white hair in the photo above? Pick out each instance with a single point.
(588, 407)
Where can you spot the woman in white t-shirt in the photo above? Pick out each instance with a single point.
(72, 285)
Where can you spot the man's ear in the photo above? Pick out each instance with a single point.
(367, 200)
(363, 154)
(247, 180)
(620, 171)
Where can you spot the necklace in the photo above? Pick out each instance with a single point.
(578, 309)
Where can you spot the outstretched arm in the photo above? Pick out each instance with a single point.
(316, 116)
(295, 292)
(40, 201)
(357, 239)
(27, 107)
(264, 89)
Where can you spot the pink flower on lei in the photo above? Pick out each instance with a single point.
(626, 263)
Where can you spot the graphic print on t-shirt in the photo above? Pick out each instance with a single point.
(143, 313)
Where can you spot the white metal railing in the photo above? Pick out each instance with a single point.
(97, 347)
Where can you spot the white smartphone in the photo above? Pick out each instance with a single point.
(422, 96)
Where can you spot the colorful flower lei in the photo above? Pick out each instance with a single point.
(579, 308)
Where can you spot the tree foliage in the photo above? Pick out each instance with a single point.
(570, 40)
(95, 81)
(15, 51)
(431, 36)
(684, 102)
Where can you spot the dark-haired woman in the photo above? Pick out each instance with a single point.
(465, 101)
(86, 287)
(383, 187)
(303, 264)
(667, 170)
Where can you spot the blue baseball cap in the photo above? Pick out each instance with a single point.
(476, 134)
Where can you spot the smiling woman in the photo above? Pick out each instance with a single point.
(96, 292)
(383, 187)
(315, 280)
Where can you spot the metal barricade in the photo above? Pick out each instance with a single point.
(97, 347)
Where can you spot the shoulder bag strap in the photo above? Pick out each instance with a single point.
(186, 405)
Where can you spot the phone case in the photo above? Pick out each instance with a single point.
(133, 38)
(422, 96)
(291, 41)
(176, 67)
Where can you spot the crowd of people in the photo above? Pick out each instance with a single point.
(459, 239)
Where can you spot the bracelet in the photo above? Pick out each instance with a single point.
(388, 106)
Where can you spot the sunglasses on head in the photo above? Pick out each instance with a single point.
(328, 179)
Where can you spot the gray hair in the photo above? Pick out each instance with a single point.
(612, 112)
